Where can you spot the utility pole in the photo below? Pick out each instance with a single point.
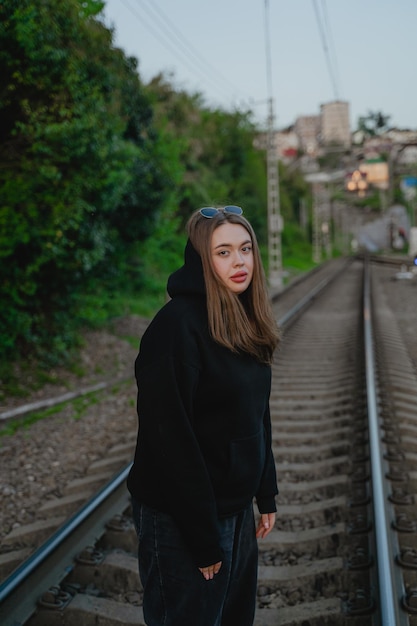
(316, 227)
(274, 215)
(321, 222)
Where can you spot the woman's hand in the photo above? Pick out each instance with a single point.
(211, 570)
(265, 525)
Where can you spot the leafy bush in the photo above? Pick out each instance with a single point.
(80, 171)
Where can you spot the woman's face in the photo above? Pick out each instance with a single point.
(232, 256)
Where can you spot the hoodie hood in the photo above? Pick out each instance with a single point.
(189, 279)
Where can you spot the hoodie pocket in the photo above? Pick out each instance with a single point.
(247, 458)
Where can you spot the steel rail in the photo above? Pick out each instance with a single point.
(40, 405)
(390, 582)
(306, 300)
(53, 560)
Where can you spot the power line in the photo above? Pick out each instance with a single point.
(185, 45)
(330, 39)
(171, 47)
(268, 52)
(171, 38)
(325, 35)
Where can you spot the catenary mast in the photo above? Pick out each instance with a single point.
(274, 214)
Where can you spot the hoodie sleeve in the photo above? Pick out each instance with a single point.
(177, 468)
(265, 497)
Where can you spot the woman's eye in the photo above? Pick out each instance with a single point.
(247, 249)
(223, 252)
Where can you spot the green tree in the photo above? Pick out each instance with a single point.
(374, 123)
(219, 163)
(75, 140)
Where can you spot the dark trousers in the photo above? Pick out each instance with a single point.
(175, 591)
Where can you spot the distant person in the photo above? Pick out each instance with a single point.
(204, 442)
(400, 240)
(402, 233)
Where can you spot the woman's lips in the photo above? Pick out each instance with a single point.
(240, 277)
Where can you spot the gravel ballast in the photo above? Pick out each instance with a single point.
(39, 460)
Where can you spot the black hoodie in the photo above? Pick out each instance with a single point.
(204, 441)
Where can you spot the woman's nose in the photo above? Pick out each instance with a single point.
(239, 260)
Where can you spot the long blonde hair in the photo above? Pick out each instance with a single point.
(242, 323)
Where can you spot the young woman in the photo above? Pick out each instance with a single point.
(204, 443)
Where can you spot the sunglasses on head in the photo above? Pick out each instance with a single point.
(210, 211)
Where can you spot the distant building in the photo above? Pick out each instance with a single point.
(408, 155)
(307, 129)
(377, 144)
(286, 144)
(376, 172)
(310, 135)
(335, 124)
(401, 136)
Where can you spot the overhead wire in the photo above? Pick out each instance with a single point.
(324, 30)
(171, 38)
(330, 52)
(332, 48)
(188, 48)
(268, 51)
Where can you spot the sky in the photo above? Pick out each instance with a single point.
(300, 53)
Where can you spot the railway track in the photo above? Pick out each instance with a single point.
(344, 549)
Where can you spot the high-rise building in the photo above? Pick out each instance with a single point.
(335, 124)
